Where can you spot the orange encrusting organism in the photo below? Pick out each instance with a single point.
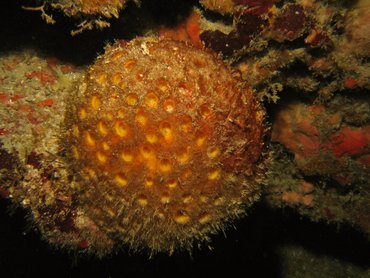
(187, 31)
(168, 158)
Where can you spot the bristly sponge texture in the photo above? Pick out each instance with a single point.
(165, 144)
(107, 8)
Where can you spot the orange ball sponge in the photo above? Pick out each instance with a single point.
(165, 144)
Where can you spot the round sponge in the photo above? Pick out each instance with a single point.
(165, 144)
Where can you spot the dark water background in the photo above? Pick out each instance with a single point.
(248, 250)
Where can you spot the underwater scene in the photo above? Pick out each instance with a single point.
(178, 138)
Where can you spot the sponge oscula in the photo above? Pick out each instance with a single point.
(165, 144)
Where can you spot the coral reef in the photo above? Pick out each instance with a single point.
(33, 92)
(268, 41)
(155, 130)
(329, 141)
(306, 61)
(325, 140)
(309, 59)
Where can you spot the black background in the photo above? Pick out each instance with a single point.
(247, 250)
